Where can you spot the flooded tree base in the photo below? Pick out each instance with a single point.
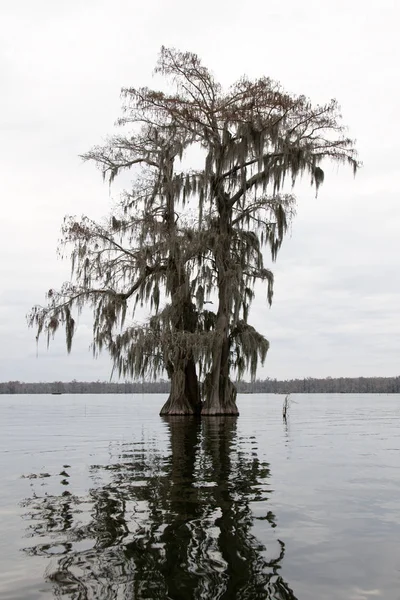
(187, 401)
(220, 401)
(184, 398)
(183, 407)
(214, 411)
(180, 406)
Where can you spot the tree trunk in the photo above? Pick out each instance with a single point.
(219, 391)
(220, 395)
(184, 397)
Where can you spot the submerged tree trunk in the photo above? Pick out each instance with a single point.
(219, 391)
(184, 397)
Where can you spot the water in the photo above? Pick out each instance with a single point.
(103, 499)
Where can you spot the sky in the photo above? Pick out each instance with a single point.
(336, 308)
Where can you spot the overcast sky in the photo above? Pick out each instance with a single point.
(336, 307)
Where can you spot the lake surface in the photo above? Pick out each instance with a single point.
(101, 498)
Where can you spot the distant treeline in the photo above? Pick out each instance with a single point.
(344, 385)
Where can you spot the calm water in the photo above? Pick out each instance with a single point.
(102, 499)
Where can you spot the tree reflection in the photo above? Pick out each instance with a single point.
(174, 527)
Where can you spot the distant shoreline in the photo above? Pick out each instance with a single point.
(309, 385)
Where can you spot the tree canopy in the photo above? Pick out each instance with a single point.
(188, 239)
